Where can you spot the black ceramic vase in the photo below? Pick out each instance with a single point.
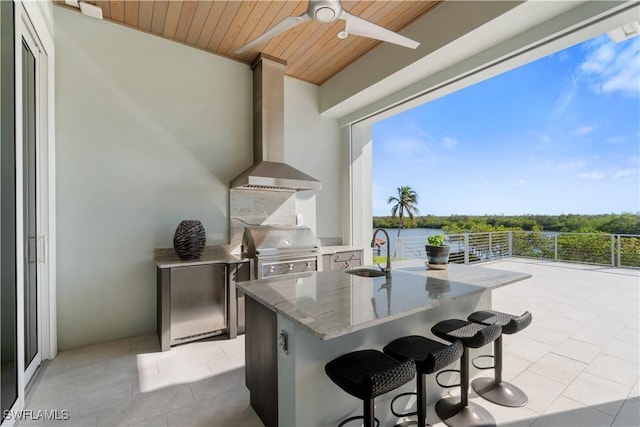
(189, 239)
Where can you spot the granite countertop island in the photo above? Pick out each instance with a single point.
(296, 324)
(334, 303)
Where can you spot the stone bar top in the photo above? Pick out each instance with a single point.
(331, 304)
(167, 258)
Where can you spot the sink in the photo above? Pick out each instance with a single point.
(365, 272)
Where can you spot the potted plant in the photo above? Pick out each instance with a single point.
(437, 252)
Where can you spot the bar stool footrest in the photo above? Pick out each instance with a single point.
(357, 417)
(407, 414)
(503, 393)
(444, 371)
(483, 356)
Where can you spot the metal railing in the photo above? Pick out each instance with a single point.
(615, 250)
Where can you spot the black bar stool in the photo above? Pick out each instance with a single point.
(367, 374)
(494, 389)
(430, 356)
(472, 335)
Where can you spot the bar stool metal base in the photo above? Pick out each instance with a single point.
(500, 393)
(452, 413)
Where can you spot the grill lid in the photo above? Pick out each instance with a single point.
(278, 239)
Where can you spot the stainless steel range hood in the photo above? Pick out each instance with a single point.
(269, 172)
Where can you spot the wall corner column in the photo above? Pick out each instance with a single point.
(361, 187)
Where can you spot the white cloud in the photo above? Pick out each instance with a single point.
(613, 67)
(519, 182)
(564, 99)
(449, 143)
(583, 130)
(593, 176)
(622, 173)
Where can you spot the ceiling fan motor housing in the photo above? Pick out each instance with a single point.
(324, 11)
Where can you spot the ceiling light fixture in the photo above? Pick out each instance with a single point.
(625, 32)
(91, 10)
(87, 9)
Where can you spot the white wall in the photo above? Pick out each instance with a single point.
(149, 132)
(312, 144)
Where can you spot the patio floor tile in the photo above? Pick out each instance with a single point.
(578, 350)
(525, 348)
(623, 350)
(603, 394)
(629, 415)
(615, 369)
(540, 390)
(558, 368)
(565, 412)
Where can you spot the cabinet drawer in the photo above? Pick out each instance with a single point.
(346, 260)
(347, 256)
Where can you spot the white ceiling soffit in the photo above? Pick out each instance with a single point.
(515, 31)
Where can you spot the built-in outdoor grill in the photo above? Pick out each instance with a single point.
(280, 250)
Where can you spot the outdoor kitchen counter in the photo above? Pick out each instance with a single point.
(332, 250)
(296, 324)
(334, 303)
(167, 258)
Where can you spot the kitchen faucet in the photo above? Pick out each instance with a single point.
(387, 270)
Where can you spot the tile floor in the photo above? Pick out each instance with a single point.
(578, 363)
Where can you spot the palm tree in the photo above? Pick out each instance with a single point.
(405, 202)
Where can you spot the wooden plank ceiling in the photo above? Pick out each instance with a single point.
(313, 51)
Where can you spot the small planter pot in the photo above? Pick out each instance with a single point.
(437, 257)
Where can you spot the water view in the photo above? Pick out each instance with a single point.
(413, 233)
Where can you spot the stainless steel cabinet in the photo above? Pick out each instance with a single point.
(198, 301)
(342, 260)
(192, 303)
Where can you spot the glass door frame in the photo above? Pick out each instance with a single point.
(30, 25)
(35, 51)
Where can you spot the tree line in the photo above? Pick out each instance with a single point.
(625, 223)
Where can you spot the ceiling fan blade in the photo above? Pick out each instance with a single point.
(362, 27)
(284, 25)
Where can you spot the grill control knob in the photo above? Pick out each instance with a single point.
(308, 264)
(272, 269)
(291, 267)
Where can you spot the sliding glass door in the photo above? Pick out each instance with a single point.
(8, 261)
(30, 206)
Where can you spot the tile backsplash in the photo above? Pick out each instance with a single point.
(258, 207)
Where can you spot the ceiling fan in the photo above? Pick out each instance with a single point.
(327, 11)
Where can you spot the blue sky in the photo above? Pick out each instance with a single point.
(558, 135)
